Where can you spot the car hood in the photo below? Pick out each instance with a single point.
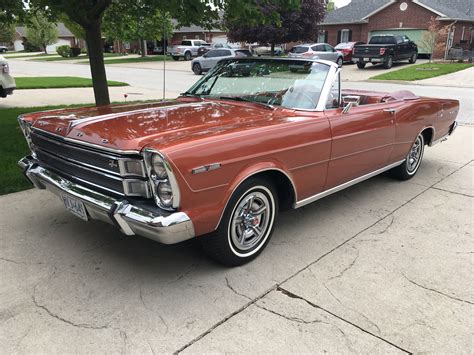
(160, 125)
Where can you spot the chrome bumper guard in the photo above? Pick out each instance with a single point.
(151, 223)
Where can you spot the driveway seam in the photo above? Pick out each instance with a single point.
(277, 285)
(293, 295)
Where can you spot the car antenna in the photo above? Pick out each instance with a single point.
(164, 60)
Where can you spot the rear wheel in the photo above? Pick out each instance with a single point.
(360, 65)
(413, 58)
(246, 226)
(197, 69)
(175, 57)
(339, 62)
(388, 62)
(410, 166)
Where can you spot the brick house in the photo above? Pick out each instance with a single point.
(362, 19)
(65, 37)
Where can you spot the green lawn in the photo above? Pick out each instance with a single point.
(411, 74)
(14, 55)
(13, 147)
(153, 58)
(51, 82)
(82, 57)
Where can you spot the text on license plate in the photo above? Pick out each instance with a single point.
(75, 206)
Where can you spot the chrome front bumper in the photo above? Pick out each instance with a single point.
(132, 219)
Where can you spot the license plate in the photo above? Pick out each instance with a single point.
(366, 59)
(76, 207)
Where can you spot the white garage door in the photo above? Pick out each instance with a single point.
(61, 42)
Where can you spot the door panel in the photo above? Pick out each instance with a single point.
(362, 141)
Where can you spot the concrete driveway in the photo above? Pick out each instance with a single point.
(383, 267)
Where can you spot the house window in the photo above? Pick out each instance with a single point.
(196, 37)
(185, 37)
(344, 36)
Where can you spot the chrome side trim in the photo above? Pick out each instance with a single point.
(254, 173)
(345, 185)
(152, 222)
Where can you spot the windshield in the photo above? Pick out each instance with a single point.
(382, 40)
(294, 84)
(344, 46)
(299, 49)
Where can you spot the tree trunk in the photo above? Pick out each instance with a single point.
(272, 49)
(143, 47)
(45, 49)
(95, 50)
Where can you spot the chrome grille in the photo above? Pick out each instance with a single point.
(98, 169)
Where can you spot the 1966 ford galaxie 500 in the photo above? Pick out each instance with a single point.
(252, 137)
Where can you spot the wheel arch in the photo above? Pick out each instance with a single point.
(428, 134)
(281, 179)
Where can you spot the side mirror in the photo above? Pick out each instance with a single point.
(204, 55)
(349, 101)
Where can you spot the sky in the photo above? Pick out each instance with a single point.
(341, 3)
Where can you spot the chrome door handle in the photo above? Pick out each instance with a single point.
(390, 110)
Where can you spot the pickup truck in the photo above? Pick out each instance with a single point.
(187, 49)
(385, 49)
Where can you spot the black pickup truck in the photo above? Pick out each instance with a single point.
(385, 49)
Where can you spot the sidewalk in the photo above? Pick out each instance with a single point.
(463, 79)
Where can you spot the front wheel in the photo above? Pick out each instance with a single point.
(410, 166)
(246, 226)
(197, 69)
(413, 58)
(360, 65)
(187, 56)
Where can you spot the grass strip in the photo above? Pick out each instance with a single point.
(411, 73)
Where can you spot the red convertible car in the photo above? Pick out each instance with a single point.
(252, 137)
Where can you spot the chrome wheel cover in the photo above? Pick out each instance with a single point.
(251, 221)
(415, 155)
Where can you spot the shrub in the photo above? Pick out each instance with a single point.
(75, 51)
(31, 47)
(64, 51)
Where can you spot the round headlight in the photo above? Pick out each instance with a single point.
(165, 193)
(159, 170)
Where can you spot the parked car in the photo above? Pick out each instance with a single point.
(386, 50)
(7, 83)
(346, 49)
(317, 51)
(187, 49)
(252, 137)
(266, 50)
(3, 49)
(210, 59)
(204, 49)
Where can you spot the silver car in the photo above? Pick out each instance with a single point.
(317, 51)
(210, 59)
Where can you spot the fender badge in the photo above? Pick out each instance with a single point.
(79, 134)
(206, 168)
(58, 129)
(105, 141)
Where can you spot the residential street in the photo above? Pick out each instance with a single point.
(147, 84)
(383, 267)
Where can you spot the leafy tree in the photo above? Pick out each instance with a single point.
(10, 11)
(433, 38)
(40, 31)
(291, 24)
(130, 20)
(331, 6)
(7, 34)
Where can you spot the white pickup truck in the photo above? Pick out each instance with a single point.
(7, 83)
(187, 49)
